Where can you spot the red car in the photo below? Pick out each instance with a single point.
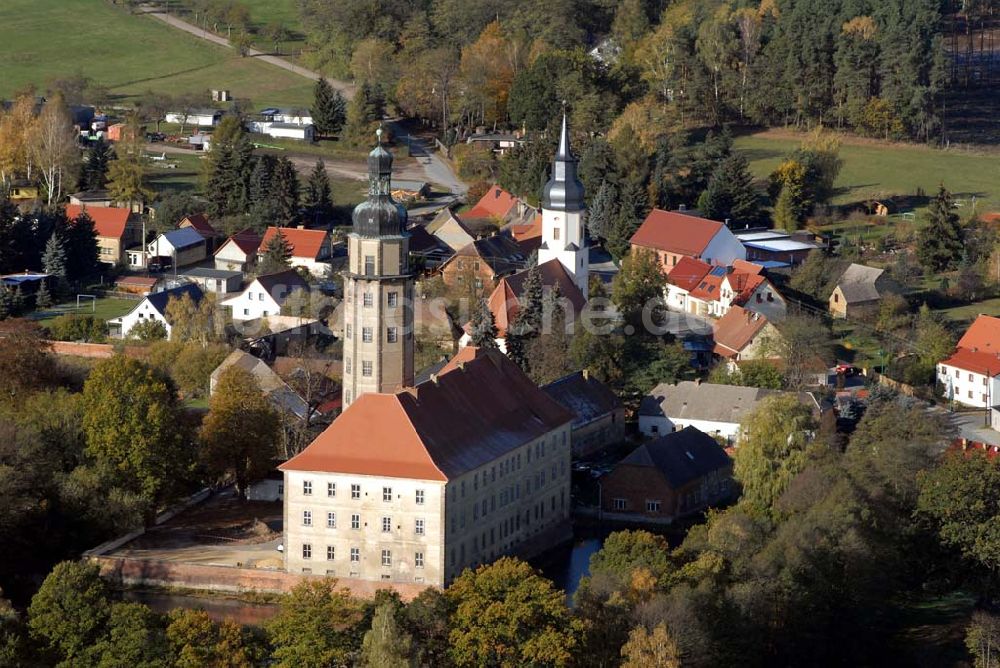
(847, 369)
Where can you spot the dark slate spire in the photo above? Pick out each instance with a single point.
(563, 192)
(379, 215)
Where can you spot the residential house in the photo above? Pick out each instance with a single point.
(527, 235)
(672, 235)
(859, 290)
(217, 281)
(426, 250)
(676, 475)
(282, 397)
(742, 334)
(153, 307)
(775, 248)
(310, 248)
(504, 301)
(498, 142)
(397, 490)
(696, 287)
(497, 207)
(199, 222)
(287, 115)
(23, 193)
(238, 252)
(450, 230)
(265, 296)
(176, 248)
(711, 408)
(483, 262)
(203, 118)
(971, 376)
(277, 129)
(92, 198)
(599, 415)
(117, 230)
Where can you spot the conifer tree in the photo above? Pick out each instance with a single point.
(43, 298)
(484, 329)
(731, 194)
(530, 302)
(285, 191)
(602, 211)
(17, 302)
(80, 247)
(94, 174)
(318, 203)
(329, 108)
(54, 257)
(277, 255)
(5, 305)
(940, 243)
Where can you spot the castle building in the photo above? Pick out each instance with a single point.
(378, 290)
(564, 216)
(411, 485)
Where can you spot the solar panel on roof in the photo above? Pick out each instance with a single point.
(718, 271)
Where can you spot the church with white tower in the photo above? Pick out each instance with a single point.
(564, 216)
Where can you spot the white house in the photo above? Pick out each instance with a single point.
(310, 248)
(717, 410)
(204, 118)
(154, 307)
(184, 247)
(971, 376)
(286, 130)
(290, 116)
(672, 235)
(238, 252)
(266, 295)
(697, 287)
(218, 281)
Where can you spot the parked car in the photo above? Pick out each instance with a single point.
(153, 137)
(848, 370)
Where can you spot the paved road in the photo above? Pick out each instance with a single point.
(343, 86)
(436, 170)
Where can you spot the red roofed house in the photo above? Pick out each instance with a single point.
(238, 252)
(696, 287)
(398, 491)
(117, 229)
(503, 301)
(310, 248)
(971, 376)
(497, 203)
(199, 222)
(673, 235)
(744, 335)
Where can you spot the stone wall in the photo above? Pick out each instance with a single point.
(131, 571)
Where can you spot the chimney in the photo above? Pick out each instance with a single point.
(586, 372)
(461, 366)
(682, 207)
(434, 378)
(697, 381)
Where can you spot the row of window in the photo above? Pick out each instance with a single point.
(506, 527)
(331, 555)
(387, 496)
(331, 522)
(391, 299)
(652, 506)
(368, 334)
(508, 466)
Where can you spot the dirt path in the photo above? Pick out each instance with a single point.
(343, 86)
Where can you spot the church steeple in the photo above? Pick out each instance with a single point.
(563, 192)
(378, 290)
(380, 215)
(564, 216)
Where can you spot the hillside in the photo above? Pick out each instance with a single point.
(130, 54)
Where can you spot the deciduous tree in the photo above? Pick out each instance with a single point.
(387, 644)
(69, 612)
(228, 447)
(318, 625)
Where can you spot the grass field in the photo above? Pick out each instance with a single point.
(264, 13)
(47, 39)
(876, 171)
(968, 312)
(105, 308)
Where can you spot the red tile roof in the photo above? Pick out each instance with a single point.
(984, 363)
(734, 331)
(983, 335)
(687, 273)
(710, 286)
(479, 408)
(503, 301)
(199, 221)
(246, 240)
(744, 285)
(745, 267)
(497, 202)
(109, 221)
(524, 231)
(676, 232)
(304, 243)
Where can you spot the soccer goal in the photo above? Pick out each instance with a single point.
(93, 302)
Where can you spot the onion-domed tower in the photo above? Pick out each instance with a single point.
(378, 290)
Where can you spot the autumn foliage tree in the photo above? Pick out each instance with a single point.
(240, 431)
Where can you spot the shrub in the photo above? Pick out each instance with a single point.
(72, 327)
